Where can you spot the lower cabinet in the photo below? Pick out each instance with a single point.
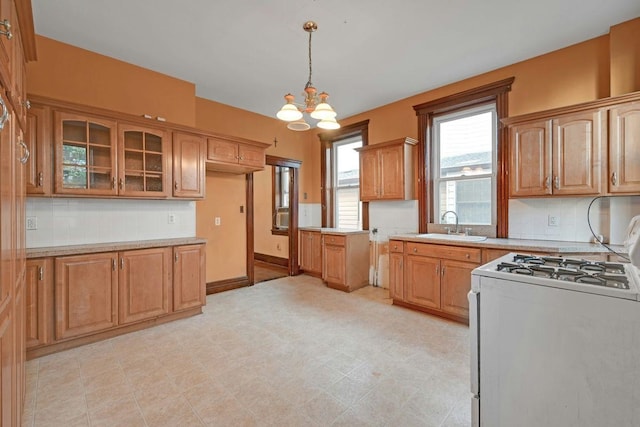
(342, 250)
(311, 252)
(70, 298)
(434, 278)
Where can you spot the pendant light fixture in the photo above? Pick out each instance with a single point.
(315, 104)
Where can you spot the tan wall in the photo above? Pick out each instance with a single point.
(265, 242)
(625, 57)
(72, 74)
(226, 243)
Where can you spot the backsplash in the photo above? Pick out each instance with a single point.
(74, 221)
(309, 215)
(530, 218)
(393, 217)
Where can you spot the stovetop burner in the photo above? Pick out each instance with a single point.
(598, 273)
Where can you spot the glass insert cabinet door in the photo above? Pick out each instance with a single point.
(85, 150)
(144, 156)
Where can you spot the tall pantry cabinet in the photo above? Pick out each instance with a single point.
(17, 45)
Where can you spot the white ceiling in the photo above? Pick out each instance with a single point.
(366, 53)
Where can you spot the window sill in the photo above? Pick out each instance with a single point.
(280, 231)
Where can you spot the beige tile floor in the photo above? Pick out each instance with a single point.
(288, 352)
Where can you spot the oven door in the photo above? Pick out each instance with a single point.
(474, 335)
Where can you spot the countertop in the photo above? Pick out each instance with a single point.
(328, 230)
(110, 247)
(552, 246)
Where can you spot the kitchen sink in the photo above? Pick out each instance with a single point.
(455, 237)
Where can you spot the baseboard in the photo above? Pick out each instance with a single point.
(271, 259)
(227, 284)
(433, 312)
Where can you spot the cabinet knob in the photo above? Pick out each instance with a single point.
(415, 249)
(175, 257)
(556, 182)
(113, 182)
(467, 256)
(395, 247)
(121, 183)
(5, 113)
(547, 182)
(40, 273)
(175, 185)
(614, 178)
(25, 152)
(40, 179)
(7, 31)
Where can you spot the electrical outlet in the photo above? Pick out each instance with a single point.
(171, 219)
(553, 221)
(216, 220)
(32, 223)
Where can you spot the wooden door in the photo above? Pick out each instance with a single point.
(251, 156)
(624, 148)
(144, 283)
(85, 155)
(189, 283)
(422, 284)
(144, 156)
(306, 251)
(577, 153)
(369, 175)
(188, 165)
(222, 151)
(455, 285)
(334, 258)
(391, 176)
(86, 294)
(530, 159)
(39, 300)
(316, 252)
(38, 175)
(396, 276)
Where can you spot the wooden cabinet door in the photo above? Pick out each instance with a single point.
(253, 157)
(316, 252)
(86, 294)
(39, 300)
(144, 156)
(19, 355)
(222, 151)
(7, 207)
(6, 44)
(38, 142)
(189, 281)
(7, 368)
(624, 148)
(85, 155)
(391, 173)
(144, 282)
(577, 153)
(396, 276)
(455, 285)
(306, 238)
(334, 270)
(188, 165)
(422, 281)
(530, 159)
(369, 175)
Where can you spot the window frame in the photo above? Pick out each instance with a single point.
(328, 142)
(276, 191)
(436, 159)
(497, 92)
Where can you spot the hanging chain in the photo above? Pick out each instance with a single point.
(309, 81)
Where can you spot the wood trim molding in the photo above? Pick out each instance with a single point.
(344, 131)
(227, 284)
(284, 262)
(250, 227)
(27, 31)
(282, 161)
(438, 313)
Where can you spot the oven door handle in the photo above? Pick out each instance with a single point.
(474, 335)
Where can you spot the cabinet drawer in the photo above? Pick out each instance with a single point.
(396, 246)
(332, 239)
(442, 251)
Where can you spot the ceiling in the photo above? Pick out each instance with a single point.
(366, 53)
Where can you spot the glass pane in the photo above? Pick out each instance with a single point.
(133, 140)
(348, 164)
(100, 156)
(153, 143)
(99, 134)
(133, 161)
(153, 162)
(470, 199)
(74, 177)
(100, 179)
(466, 145)
(154, 183)
(348, 212)
(74, 154)
(74, 130)
(134, 182)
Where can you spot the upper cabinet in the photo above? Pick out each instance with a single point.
(561, 155)
(235, 155)
(624, 148)
(188, 165)
(387, 170)
(144, 161)
(85, 155)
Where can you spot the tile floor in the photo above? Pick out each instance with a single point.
(288, 352)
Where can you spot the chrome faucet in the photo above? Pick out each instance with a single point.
(455, 214)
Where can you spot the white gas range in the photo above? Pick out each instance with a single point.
(555, 342)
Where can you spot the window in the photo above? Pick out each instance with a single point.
(340, 175)
(464, 156)
(281, 183)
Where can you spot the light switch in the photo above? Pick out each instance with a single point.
(171, 219)
(216, 220)
(32, 223)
